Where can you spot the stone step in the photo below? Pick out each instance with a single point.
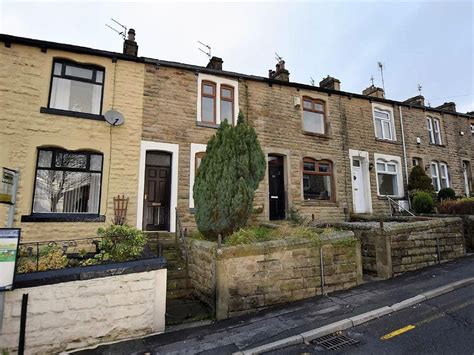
(178, 294)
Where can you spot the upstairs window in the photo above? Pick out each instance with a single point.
(439, 175)
(318, 179)
(67, 182)
(383, 124)
(387, 177)
(208, 102)
(314, 117)
(434, 130)
(227, 103)
(76, 87)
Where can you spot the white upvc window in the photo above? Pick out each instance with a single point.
(389, 175)
(218, 99)
(444, 174)
(435, 176)
(383, 122)
(439, 175)
(434, 130)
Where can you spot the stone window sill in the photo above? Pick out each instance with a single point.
(320, 203)
(386, 140)
(63, 217)
(207, 125)
(319, 135)
(437, 145)
(395, 198)
(55, 111)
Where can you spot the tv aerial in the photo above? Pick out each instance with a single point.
(114, 118)
(311, 80)
(278, 57)
(206, 52)
(122, 33)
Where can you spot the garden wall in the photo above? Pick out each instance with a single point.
(96, 304)
(248, 278)
(469, 232)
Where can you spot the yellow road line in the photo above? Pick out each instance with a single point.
(398, 332)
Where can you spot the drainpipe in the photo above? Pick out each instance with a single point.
(404, 150)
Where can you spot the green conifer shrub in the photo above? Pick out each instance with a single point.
(227, 178)
(423, 202)
(418, 180)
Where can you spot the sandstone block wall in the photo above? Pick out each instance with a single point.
(251, 277)
(76, 314)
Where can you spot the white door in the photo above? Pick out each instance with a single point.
(359, 194)
(465, 167)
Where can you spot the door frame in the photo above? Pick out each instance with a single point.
(173, 149)
(285, 154)
(363, 156)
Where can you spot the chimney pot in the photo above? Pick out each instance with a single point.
(330, 83)
(130, 47)
(280, 73)
(374, 91)
(215, 63)
(447, 106)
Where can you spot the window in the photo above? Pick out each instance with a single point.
(317, 180)
(383, 124)
(198, 160)
(417, 161)
(387, 177)
(67, 182)
(208, 102)
(434, 130)
(313, 116)
(76, 87)
(439, 175)
(227, 103)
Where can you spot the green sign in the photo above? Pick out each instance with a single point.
(9, 240)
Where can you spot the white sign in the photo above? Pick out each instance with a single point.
(9, 239)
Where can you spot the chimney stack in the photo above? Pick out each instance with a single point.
(280, 73)
(215, 63)
(130, 47)
(374, 91)
(447, 106)
(330, 83)
(418, 100)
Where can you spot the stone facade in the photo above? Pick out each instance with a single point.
(25, 82)
(77, 314)
(247, 278)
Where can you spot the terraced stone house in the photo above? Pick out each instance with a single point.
(330, 153)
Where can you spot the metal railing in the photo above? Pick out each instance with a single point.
(392, 201)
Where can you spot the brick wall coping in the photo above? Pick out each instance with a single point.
(226, 252)
(87, 272)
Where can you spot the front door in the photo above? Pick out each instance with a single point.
(156, 209)
(276, 183)
(466, 169)
(359, 194)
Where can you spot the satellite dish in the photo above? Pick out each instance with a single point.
(114, 118)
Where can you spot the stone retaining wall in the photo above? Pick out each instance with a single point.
(76, 314)
(248, 278)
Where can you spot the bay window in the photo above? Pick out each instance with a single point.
(76, 87)
(318, 179)
(387, 177)
(67, 182)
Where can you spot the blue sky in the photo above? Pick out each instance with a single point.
(427, 43)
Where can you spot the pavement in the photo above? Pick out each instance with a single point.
(281, 322)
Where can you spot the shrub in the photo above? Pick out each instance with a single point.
(446, 193)
(462, 206)
(295, 217)
(418, 180)
(120, 243)
(422, 202)
(226, 181)
(51, 257)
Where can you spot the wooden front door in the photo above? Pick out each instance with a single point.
(156, 209)
(276, 184)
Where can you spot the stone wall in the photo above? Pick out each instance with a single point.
(469, 232)
(251, 277)
(76, 314)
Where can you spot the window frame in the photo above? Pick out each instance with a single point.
(214, 97)
(231, 100)
(434, 130)
(55, 151)
(315, 102)
(437, 176)
(444, 166)
(390, 121)
(198, 155)
(330, 173)
(94, 68)
(395, 173)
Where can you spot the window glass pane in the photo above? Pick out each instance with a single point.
(378, 129)
(444, 183)
(79, 72)
(392, 168)
(99, 76)
(44, 158)
(318, 107)
(96, 162)
(158, 159)
(317, 187)
(323, 168)
(70, 160)
(381, 115)
(66, 192)
(226, 111)
(380, 167)
(356, 162)
(434, 170)
(313, 122)
(85, 97)
(309, 166)
(226, 93)
(387, 184)
(57, 68)
(308, 104)
(199, 157)
(435, 182)
(207, 109)
(387, 134)
(208, 89)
